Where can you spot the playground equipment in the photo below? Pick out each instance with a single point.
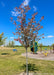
(45, 52)
(14, 50)
(34, 48)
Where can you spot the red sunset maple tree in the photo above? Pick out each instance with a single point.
(27, 30)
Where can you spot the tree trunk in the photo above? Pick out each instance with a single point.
(26, 62)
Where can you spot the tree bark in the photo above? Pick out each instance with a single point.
(26, 62)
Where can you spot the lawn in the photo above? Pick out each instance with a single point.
(12, 63)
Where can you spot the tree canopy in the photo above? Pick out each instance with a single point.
(26, 29)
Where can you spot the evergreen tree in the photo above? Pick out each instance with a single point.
(2, 39)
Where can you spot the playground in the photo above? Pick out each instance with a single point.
(40, 56)
(45, 54)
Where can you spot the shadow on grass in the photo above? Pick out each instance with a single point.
(31, 67)
(4, 53)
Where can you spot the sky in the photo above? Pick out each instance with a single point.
(43, 7)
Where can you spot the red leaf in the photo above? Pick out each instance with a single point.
(34, 14)
(16, 39)
(41, 26)
(13, 33)
(42, 17)
(43, 37)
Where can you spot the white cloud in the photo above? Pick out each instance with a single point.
(15, 13)
(34, 8)
(26, 2)
(2, 3)
(11, 37)
(50, 36)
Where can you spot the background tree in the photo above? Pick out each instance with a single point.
(53, 47)
(50, 48)
(2, 39)
(41, 47)
(26, 29)
(11, 43)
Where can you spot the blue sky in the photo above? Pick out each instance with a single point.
(43, 7)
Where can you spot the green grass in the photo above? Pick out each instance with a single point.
(12, 63)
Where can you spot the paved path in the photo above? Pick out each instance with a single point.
(40, 56)
(26, 74)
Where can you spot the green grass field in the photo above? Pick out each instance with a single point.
(12, 63)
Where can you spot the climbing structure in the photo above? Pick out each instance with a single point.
(34, 48)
